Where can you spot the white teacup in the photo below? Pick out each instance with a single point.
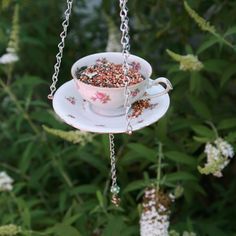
(110, 101)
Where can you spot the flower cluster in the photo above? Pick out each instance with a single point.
(13, 45)
(218, 157)
(187, 62)
(154, 220)
(71, 136)
(10, 230)
(5, 182)
(202, 23)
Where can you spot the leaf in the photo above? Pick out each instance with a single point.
(204, 131)
(215, 65)
(180, 176)
(227, 123)
(231, 137)
(200, 107)
(144, 151)
(26, 157)
(181, 158)
(93, 161)
(196, 81)
(135, 185)
(201, 139)
(63, 229)
(29, 80)
(207, 44)
(86, 189)
(72, 219)
(100, 198)
(228, 73)
(230, 31)
(114, 226)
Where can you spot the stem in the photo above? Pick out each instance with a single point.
(19, 107)
(15, 170)
(66, 178)
(14, 198)
(223, 40)
(9, 206)
(160, 156)
(213, 128)
(9, 73)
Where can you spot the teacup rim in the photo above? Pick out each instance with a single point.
(74, 66)
(110, 88)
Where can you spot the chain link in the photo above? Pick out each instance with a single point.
(115, 189)
(61, 46)
(113, 160)
(124, 27)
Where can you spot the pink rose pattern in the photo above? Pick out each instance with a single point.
(135, 92)
(135, 65)
(101, 97)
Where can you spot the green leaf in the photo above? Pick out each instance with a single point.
(62, 230)
(196, 82)
(94, 161)
(204, 131)
(144, 151)
(114, 227)
(26, 157)
(230, 31)
(100, 198)
(231, 137)
(72, 219)
(181, 158)
(135, 185)
(180, 176)
(200, 107)
(228, 73)
(227, 123)
(215, 65)
(207, 44)
(201, 139)
(86, 189)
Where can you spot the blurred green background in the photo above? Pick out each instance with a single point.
(63, 188)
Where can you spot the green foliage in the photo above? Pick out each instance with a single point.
(61, 188)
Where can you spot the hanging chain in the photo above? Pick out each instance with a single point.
(115, 189)
(124, 27)
(61, 46)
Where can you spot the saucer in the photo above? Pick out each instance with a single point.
(76, 112)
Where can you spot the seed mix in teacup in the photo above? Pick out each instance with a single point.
(109, 75)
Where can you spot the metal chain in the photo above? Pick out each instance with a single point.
(115, 189)
(61, 46)
(124, 27)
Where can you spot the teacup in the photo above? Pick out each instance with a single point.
(111, 101)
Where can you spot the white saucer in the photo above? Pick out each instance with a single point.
(76, 112)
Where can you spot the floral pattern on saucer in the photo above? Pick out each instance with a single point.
(71, 99)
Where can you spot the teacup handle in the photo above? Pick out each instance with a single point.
(155, 83)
